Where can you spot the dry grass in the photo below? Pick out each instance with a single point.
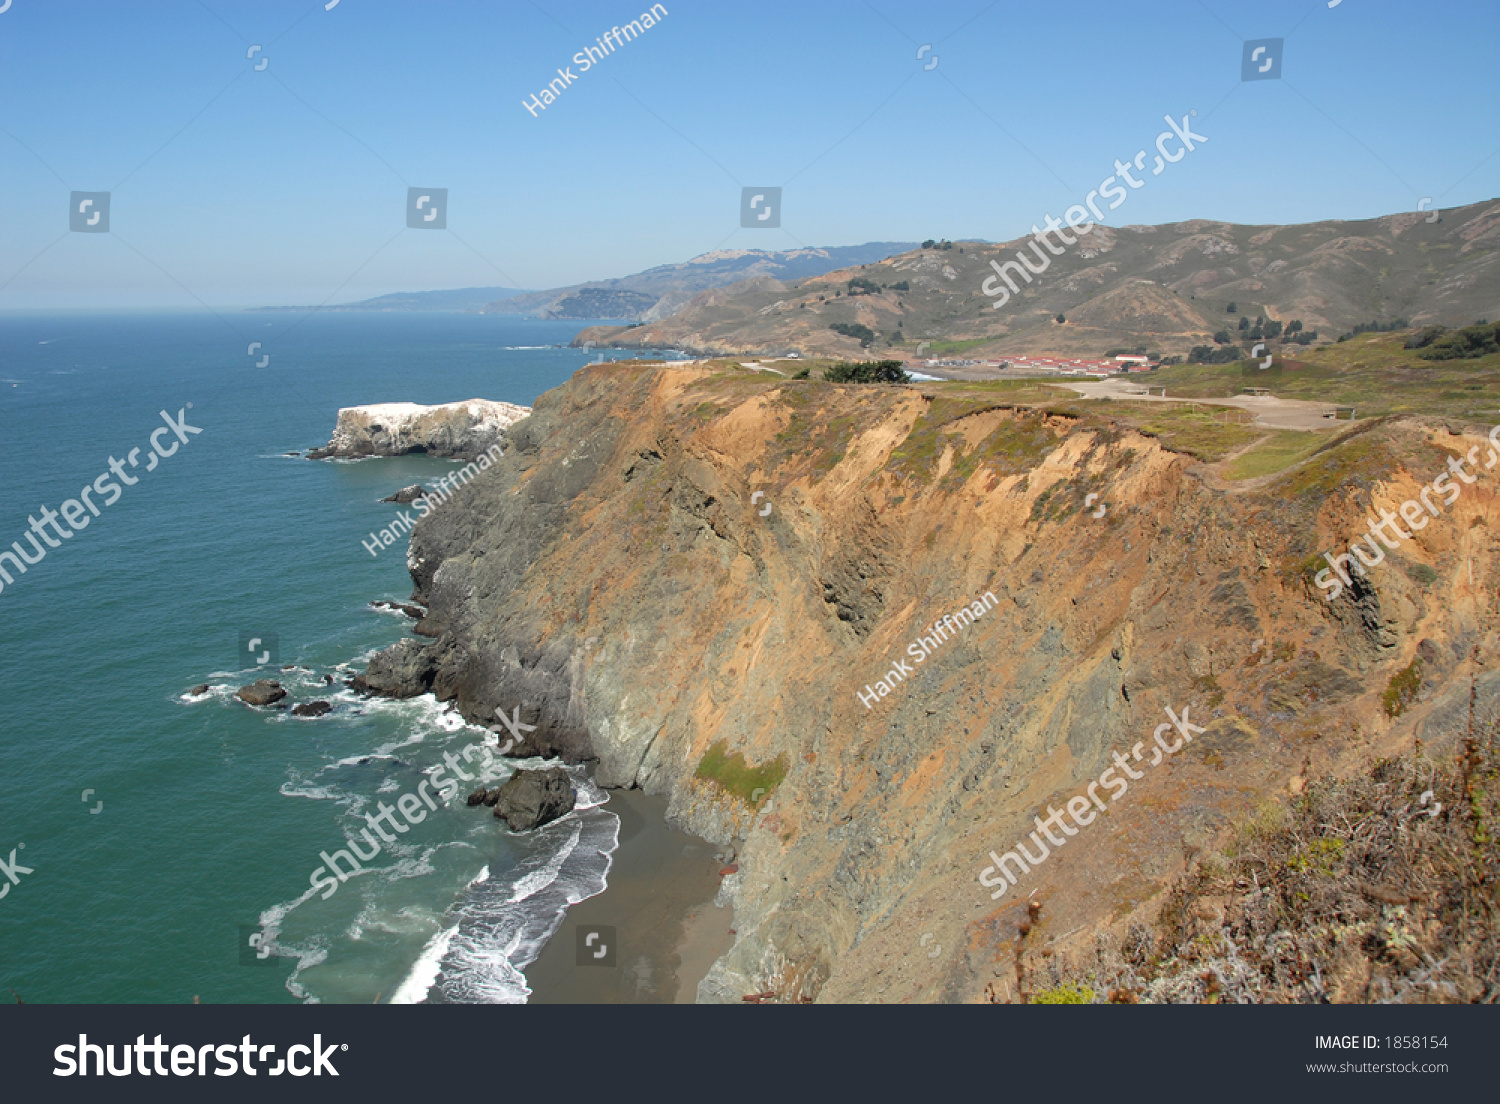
(1381, 889)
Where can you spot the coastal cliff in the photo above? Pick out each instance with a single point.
(460, 431)
(695, 577)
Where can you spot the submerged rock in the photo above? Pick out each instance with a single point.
(532, 798)
(261, 692)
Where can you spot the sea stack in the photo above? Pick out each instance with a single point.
(458, 431)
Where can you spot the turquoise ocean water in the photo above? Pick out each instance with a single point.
(214, 815)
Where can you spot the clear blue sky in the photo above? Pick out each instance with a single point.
(288, 184)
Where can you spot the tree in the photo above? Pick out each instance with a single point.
(863, 334)
(1061, 319)
(1222, 337)
(1207, 354)
(868, 371)
(1244, 321)
(862, 286)
(1233, 308)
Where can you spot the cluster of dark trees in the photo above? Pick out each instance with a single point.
(931, 244)
(863, 334)
(1296, 335)
(1266, 329)
(1375, 327)
(862, 285)
(867, 371)
(1261, 329)
(1208, 354)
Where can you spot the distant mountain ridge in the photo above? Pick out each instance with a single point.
(644, 296)
(665, 289)
(1167, 288)
(454, 299)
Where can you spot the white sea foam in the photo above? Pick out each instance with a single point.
(413, 989)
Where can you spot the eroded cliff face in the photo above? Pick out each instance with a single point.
(613, 576)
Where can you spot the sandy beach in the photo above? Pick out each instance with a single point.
(666, 931)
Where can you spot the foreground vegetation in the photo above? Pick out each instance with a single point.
(1383, 888)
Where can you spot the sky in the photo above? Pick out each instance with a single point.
(241, 177)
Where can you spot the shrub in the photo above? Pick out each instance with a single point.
(1478, 340)
(1423, 574)
(1425, 337)
(1068, 993)
(1402, 689)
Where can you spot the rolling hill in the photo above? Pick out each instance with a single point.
(1163, 287)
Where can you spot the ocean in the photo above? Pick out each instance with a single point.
(164, 842)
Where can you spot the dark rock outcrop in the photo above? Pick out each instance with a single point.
(416, 613)
(407, 494)
(199, 690)
(403, 670)
(532, 798)
(261, 692)
(312, 709)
